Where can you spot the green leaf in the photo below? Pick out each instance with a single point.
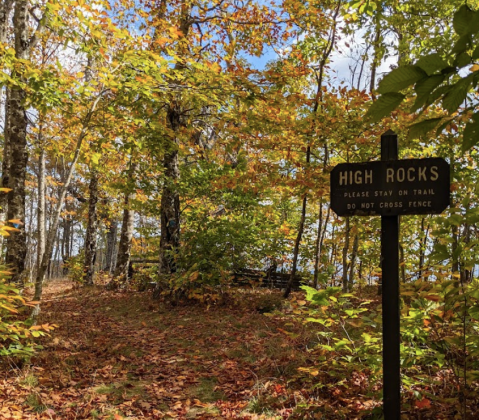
(438, 93)
(453, 99)
(465, 21)
(471, 133)
(384, 106)
(424, 88)
(321, 298)
(472, 217)
(432, 63)
(315, 296)
(423, 127)
(474, 312)
(462, 60)
(462, 44)
(475, 54)
(401, 78)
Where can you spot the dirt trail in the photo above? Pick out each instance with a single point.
(123, 355)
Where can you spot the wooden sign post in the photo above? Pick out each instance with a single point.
(390, 188)
(390, 297)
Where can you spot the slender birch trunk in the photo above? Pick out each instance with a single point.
(91, 231)
(53, 228)
(124, 249)
(41, 218)
(354, 255)
(5, 11)
(111, 238)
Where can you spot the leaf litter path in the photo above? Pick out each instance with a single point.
(123, 355)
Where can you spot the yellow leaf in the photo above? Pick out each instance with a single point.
(10, 228)
(475, 67)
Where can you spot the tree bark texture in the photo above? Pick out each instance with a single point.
(124, 248)
(66, 241)
(91, 231)
(41, 217)
(170, 201)
(7, 157)
(317, 252)
(5, 10)
(376, 45)
(352, 266)
(111, 246)
(17, 135)
(126, 236)
(345, 256)
(299, 236)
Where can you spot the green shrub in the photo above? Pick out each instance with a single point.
(17, 335)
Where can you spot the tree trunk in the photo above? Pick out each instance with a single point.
(91, 231)
(67, 238)
(111, 238)
(56, 258)
(7, 157)
(17, 121)
(455, 245)
(63, 192)
(5, 10)
(354, 255)
(376, 57)
(317, 251)
(124, 249)
(299, 235)
(41, 217)
(345, 257)
(402, 263)
(320, 242)
(170, 202)
(422, 250)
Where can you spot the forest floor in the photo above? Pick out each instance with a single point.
(123, 355)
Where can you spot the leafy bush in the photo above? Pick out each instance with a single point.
(439, 341)
(17, 335)
(76, 267)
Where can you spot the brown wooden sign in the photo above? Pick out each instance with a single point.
(391, 188)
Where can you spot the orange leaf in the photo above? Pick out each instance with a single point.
(424, 403)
